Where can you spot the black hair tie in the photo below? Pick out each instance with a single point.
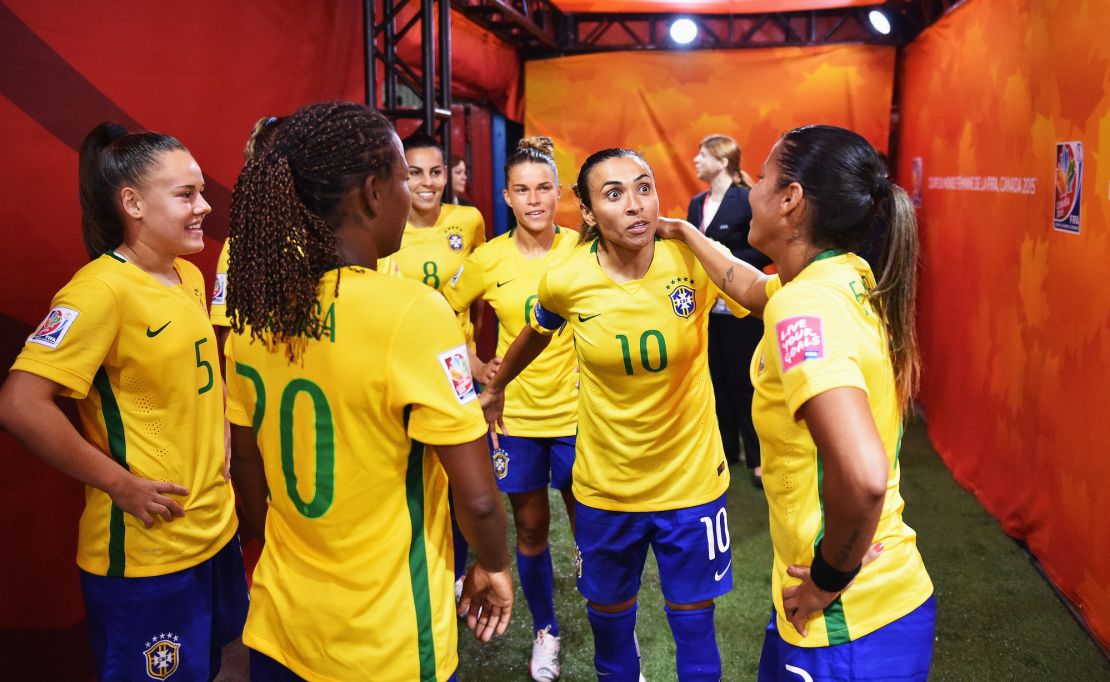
(880, 187)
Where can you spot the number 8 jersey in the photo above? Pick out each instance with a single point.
(354, 581)
(647, 430)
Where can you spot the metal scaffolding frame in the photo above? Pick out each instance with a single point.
(382, 35)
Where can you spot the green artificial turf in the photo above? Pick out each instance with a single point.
(997, 617)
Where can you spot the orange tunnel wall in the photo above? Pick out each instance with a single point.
(1014, 315)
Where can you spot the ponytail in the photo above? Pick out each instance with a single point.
(895, 293)
(285, 209)
(110, 159)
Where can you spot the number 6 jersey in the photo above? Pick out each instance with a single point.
(140, 359)
(354, 582)
(647, 431)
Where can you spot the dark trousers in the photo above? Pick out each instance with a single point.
(732, 341)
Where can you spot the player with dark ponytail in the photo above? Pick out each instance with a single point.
(834, 377)
(338, 375)
(128, 338)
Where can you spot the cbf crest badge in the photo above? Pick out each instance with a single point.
(455, 238)
(163, 652)
(681, 295)
(500, 463)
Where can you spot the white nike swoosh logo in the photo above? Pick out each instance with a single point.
(718, 576)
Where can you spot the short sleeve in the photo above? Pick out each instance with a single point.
(546, 316)
(218, 309)
(467, 284)
(479, 236)
(715, 292)
(72, 341)
(813, 342)
(238, 376)
(430, 372)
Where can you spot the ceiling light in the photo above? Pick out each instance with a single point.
(878, 21)
(683, 31)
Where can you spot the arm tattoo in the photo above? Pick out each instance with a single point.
(728, 276)
(846, 548)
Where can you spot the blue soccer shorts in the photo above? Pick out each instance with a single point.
(691, 545)
(266, 669)
(524, 464)
(902, 650)
(167, 625)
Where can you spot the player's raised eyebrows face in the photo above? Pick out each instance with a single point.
(624, 203)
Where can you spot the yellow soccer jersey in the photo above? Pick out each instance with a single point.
(218, 311)
(647, 431)
(821, 332)
(140, 359)
(543, 401)
(355, 580)
(433, 255)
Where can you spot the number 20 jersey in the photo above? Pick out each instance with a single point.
(354, 582)
(647, 431)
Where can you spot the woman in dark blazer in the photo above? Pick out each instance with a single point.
(723, 213)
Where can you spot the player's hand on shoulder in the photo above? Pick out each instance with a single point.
(487, 601)
(672, 228)
(146, 499)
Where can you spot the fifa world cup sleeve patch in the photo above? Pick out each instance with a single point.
(54, 327)
(800, 338)
(219, 290)
(457, 368)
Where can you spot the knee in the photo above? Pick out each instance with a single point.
(530, 539)
(695, 606)
(613, 608)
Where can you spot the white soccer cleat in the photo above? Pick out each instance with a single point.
(544, 666)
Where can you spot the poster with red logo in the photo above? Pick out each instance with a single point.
(1069, 186)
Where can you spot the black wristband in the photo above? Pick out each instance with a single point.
(826, 577)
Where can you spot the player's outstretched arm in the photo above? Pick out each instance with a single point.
(853, 488)
(740, 281)
(487, 597)
(249, 477)
(28, 412)
(526, 348)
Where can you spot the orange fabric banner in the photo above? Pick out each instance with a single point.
(664, 103)
(1014, 315)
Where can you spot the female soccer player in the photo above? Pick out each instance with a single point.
(438, 236)
(339, 375)
(128, 338)
(541, 406)
(724, 214)
(649, 468)
(834, 376)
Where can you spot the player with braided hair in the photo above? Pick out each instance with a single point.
(338, 376)
(542, 405)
